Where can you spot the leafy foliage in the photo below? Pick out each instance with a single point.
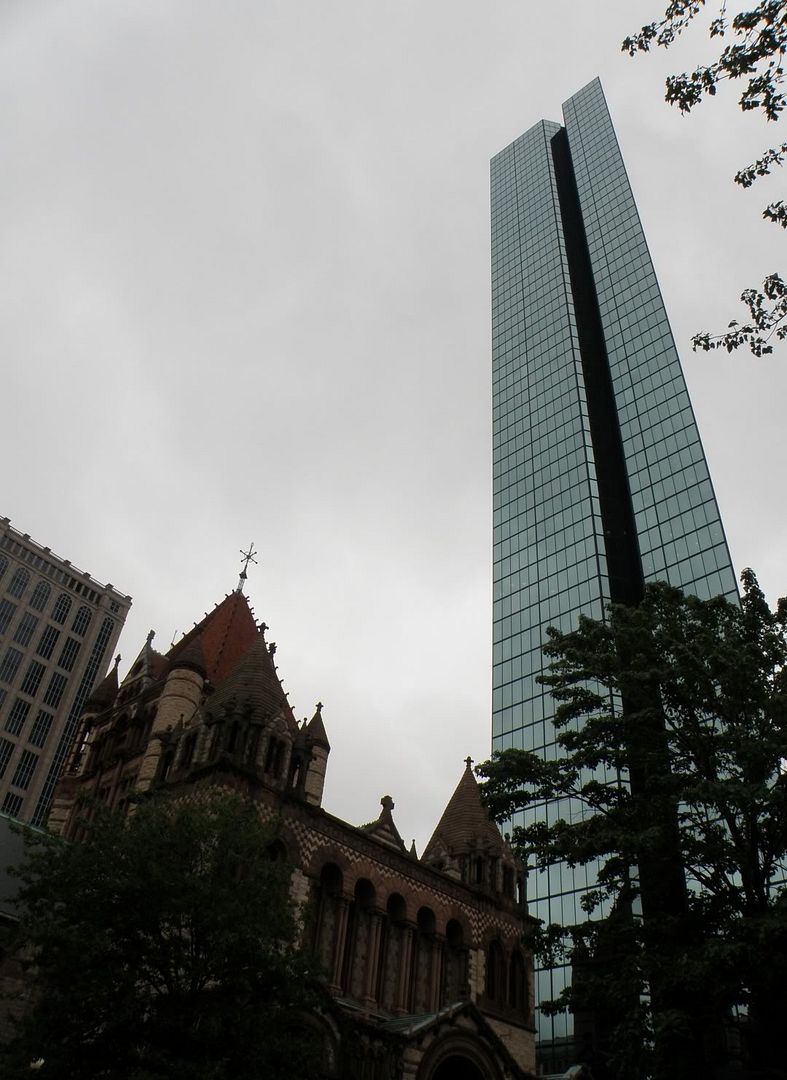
(163, 945)
(672, 723)
(755, 55)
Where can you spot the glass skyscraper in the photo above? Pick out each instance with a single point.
(600, 481)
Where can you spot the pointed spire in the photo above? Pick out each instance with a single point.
(465, 824)
(316, 728)
(106, 691)
(225, 634)
(253, 680)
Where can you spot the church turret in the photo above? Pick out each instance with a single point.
(179, 701)
(320, 748)
(467, 844)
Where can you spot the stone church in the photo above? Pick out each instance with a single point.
(428, 973)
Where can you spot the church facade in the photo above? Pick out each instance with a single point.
(424, 957)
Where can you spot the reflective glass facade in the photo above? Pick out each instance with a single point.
(600, 482)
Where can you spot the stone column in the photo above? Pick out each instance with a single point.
(374, 934)
(342, 912)
(405, 970)
(436, 972)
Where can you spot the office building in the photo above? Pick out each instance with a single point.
(58, 628)
(600, 482)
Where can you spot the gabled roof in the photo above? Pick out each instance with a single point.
(254, 681)
(465, 825)
(225, 635)
(384, 829)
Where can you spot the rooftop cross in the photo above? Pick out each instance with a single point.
(468, 761)
(248, 557)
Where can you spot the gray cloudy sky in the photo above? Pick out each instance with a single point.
(244, 293)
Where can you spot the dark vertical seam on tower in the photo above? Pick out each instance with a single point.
(624, 566)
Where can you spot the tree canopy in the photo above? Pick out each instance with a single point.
(755, 41)
(162, 944)
(671, 723)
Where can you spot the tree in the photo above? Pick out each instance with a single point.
(162, 944)
(756, 55)
(672, 721)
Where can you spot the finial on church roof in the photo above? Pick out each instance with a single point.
(151, 635)
(318, 706)
(117, 661)
(469, 762)
(248, 557)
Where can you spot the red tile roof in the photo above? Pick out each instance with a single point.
(225, 634)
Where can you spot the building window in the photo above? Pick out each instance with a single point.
(40, 596)
(18, 582)
(6, 750)
(10, 664)
(39, 816)
(12, 804)
(69, 654)
(40, 729)
(496, 973)
(26, 628)
(114, 606)
(54, 691)
(25, 768)
(274, 756)
(7, 610)
(32, 679)
(46, 645)
(17, 716)
(517, 982)
(62, 608)
(81, 621)
(3, 566)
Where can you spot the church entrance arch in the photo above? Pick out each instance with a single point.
(458, 1067)
(460, 1056)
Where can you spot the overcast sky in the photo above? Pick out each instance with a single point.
(244, 294)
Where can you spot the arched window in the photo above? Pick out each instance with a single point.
(276, 851)
(18, 582)
(327, 923)
(81, 620)
(40, 596)
(517, 997)
(356, 941)
(495, 972)
(62, 608)
(421, 986)
(274, 757)
(455, 966)
(508, 882)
